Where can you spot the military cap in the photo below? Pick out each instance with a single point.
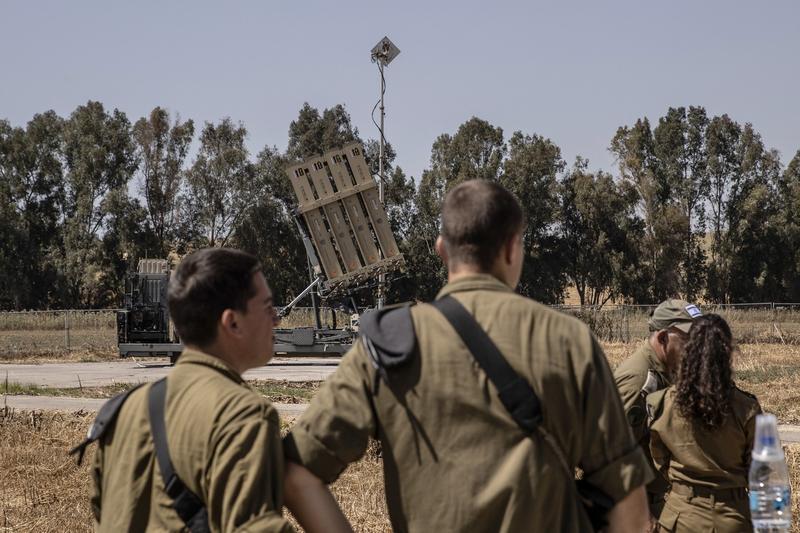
(674, 313)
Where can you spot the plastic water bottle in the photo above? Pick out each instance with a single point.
(770, 491)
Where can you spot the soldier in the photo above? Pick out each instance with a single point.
(455, 458)
(220, 446)
(702, 434)
(651, 368)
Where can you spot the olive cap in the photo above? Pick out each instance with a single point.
(674, 313)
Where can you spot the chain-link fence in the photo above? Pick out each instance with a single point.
(769, 322)
(93, 331)
(24, 333)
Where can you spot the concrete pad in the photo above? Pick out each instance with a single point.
(66, 375)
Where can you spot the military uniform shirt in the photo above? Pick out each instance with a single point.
(454, 459)
(713, 462)
(640, 374)
(224, 442)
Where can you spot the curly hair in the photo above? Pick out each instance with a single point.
(705, 379)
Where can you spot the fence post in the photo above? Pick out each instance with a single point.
(66, 329)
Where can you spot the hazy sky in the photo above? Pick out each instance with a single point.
(570, 71)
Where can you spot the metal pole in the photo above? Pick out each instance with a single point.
(381, 277)
(66, 330)
(314, 294)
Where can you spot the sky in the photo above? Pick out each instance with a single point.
(569, 71)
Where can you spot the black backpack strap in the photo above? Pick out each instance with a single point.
(105, 419)
(515, 393)
(189, 507)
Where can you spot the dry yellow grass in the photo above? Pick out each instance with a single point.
(770, 371)
(43, 490)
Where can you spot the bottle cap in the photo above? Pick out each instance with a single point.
(767, 445)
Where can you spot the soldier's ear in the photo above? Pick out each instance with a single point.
(229, 322)
(663, 337)
(441, 249)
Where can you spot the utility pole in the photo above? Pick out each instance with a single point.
(382, 53)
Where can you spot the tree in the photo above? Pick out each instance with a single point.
(221, 183)
(530, 172)
(789, 191)
(100, 161)
(664, 224)
(32, 193)
(679, 146)
(723, 164)
(600, 232)
(313, 134)
(268, 231)
(161, 150)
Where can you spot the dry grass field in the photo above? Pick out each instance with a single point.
(43, 490)
(770, 371)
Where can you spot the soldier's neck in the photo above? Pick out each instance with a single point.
(461, 271)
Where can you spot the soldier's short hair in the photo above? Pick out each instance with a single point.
(478, 219)
(206, 283)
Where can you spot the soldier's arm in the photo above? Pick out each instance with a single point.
(245, 476)
(611, 459)
(629, 386)
(658, 449)
(334, 431)
(311, 503)
(630, 515)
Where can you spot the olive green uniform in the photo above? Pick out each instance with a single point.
(639, 375)
(224, 442)
(707, 469)
(454, 459)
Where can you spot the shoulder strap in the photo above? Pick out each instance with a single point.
(189, 507)
(517, 396)
(655, 405)
(105, 419)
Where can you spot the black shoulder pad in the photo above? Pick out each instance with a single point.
(390, 332)
(105, 418)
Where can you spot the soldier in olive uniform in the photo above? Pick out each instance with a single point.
(223, 438)
(454, 459)
(651, 368)
(702, 431)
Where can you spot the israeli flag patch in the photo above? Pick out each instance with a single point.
(693, 311)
